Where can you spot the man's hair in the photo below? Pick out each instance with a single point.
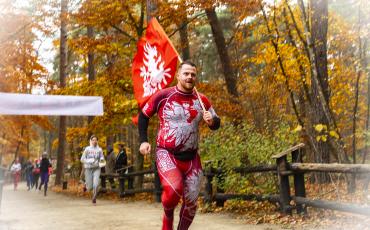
(93, 136)
(187, 62)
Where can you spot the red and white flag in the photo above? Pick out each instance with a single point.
(154, 64)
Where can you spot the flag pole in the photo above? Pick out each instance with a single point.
(195, 88)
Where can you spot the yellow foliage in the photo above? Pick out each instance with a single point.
(334, 134)
(320, 127)
(298, 128)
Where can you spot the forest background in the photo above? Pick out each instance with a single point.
(277, 72)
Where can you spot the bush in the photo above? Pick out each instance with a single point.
(240, 146)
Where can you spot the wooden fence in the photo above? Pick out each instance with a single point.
(283, 170)
(126, 189)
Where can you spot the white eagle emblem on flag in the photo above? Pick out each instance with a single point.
(153, 70)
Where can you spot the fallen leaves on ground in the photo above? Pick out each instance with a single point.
(255, 212)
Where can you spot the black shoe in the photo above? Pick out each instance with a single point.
(94, 201)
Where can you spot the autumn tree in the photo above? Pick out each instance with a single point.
(21, 71)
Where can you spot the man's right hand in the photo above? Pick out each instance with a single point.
(145, 148)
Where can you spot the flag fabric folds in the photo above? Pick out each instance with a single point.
(154, 65)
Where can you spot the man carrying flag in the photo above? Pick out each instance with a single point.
(180, 110)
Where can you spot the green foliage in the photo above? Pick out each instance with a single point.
(242, 146)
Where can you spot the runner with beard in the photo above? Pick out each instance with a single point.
(177, 158)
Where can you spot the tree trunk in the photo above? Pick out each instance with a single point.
(317, 36)
(91, 71)
(19, 144)
(184, 41)
(45, 140)
(183, 29)
(110, 141)
(218, 35)
(151, 7)
(319, 30)
(2, 152)
(357, 87)
(50, 143)
(62, 78)
(368, 106)
(61, 150)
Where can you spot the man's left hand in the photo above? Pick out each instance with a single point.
(207, 117)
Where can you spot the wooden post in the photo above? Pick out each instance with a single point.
(65, 185)
(220, 179)
(121, 180)
(157, 185)
(284, 187)
(103, 183)
(208, 197)
(130, 179)
(299, 187)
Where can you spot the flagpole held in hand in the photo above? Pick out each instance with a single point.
(201, 102)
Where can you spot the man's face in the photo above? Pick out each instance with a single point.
(186, 77)
(94, 141)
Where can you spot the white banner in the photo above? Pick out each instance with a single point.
(28, 104)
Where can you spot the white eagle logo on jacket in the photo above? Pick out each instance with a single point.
(177, 127)
(153, 70)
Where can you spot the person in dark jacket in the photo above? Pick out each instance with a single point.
(29, 177)
(121, 160)
(111, 164)
(36, 174)
(44, 172)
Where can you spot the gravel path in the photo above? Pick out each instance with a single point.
(31, 210)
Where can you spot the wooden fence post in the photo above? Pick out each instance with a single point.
(284, 187)
(208, 196)
(103, 183)
(157, 185)
(299, 187)
(220, 180)
(121, 180)
(130, 183)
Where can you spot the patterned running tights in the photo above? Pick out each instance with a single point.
(179, 179)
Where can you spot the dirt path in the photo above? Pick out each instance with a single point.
(31, 210)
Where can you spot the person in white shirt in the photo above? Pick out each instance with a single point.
(91, 157)
(15, 169)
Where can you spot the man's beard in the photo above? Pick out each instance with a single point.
(188, 85)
